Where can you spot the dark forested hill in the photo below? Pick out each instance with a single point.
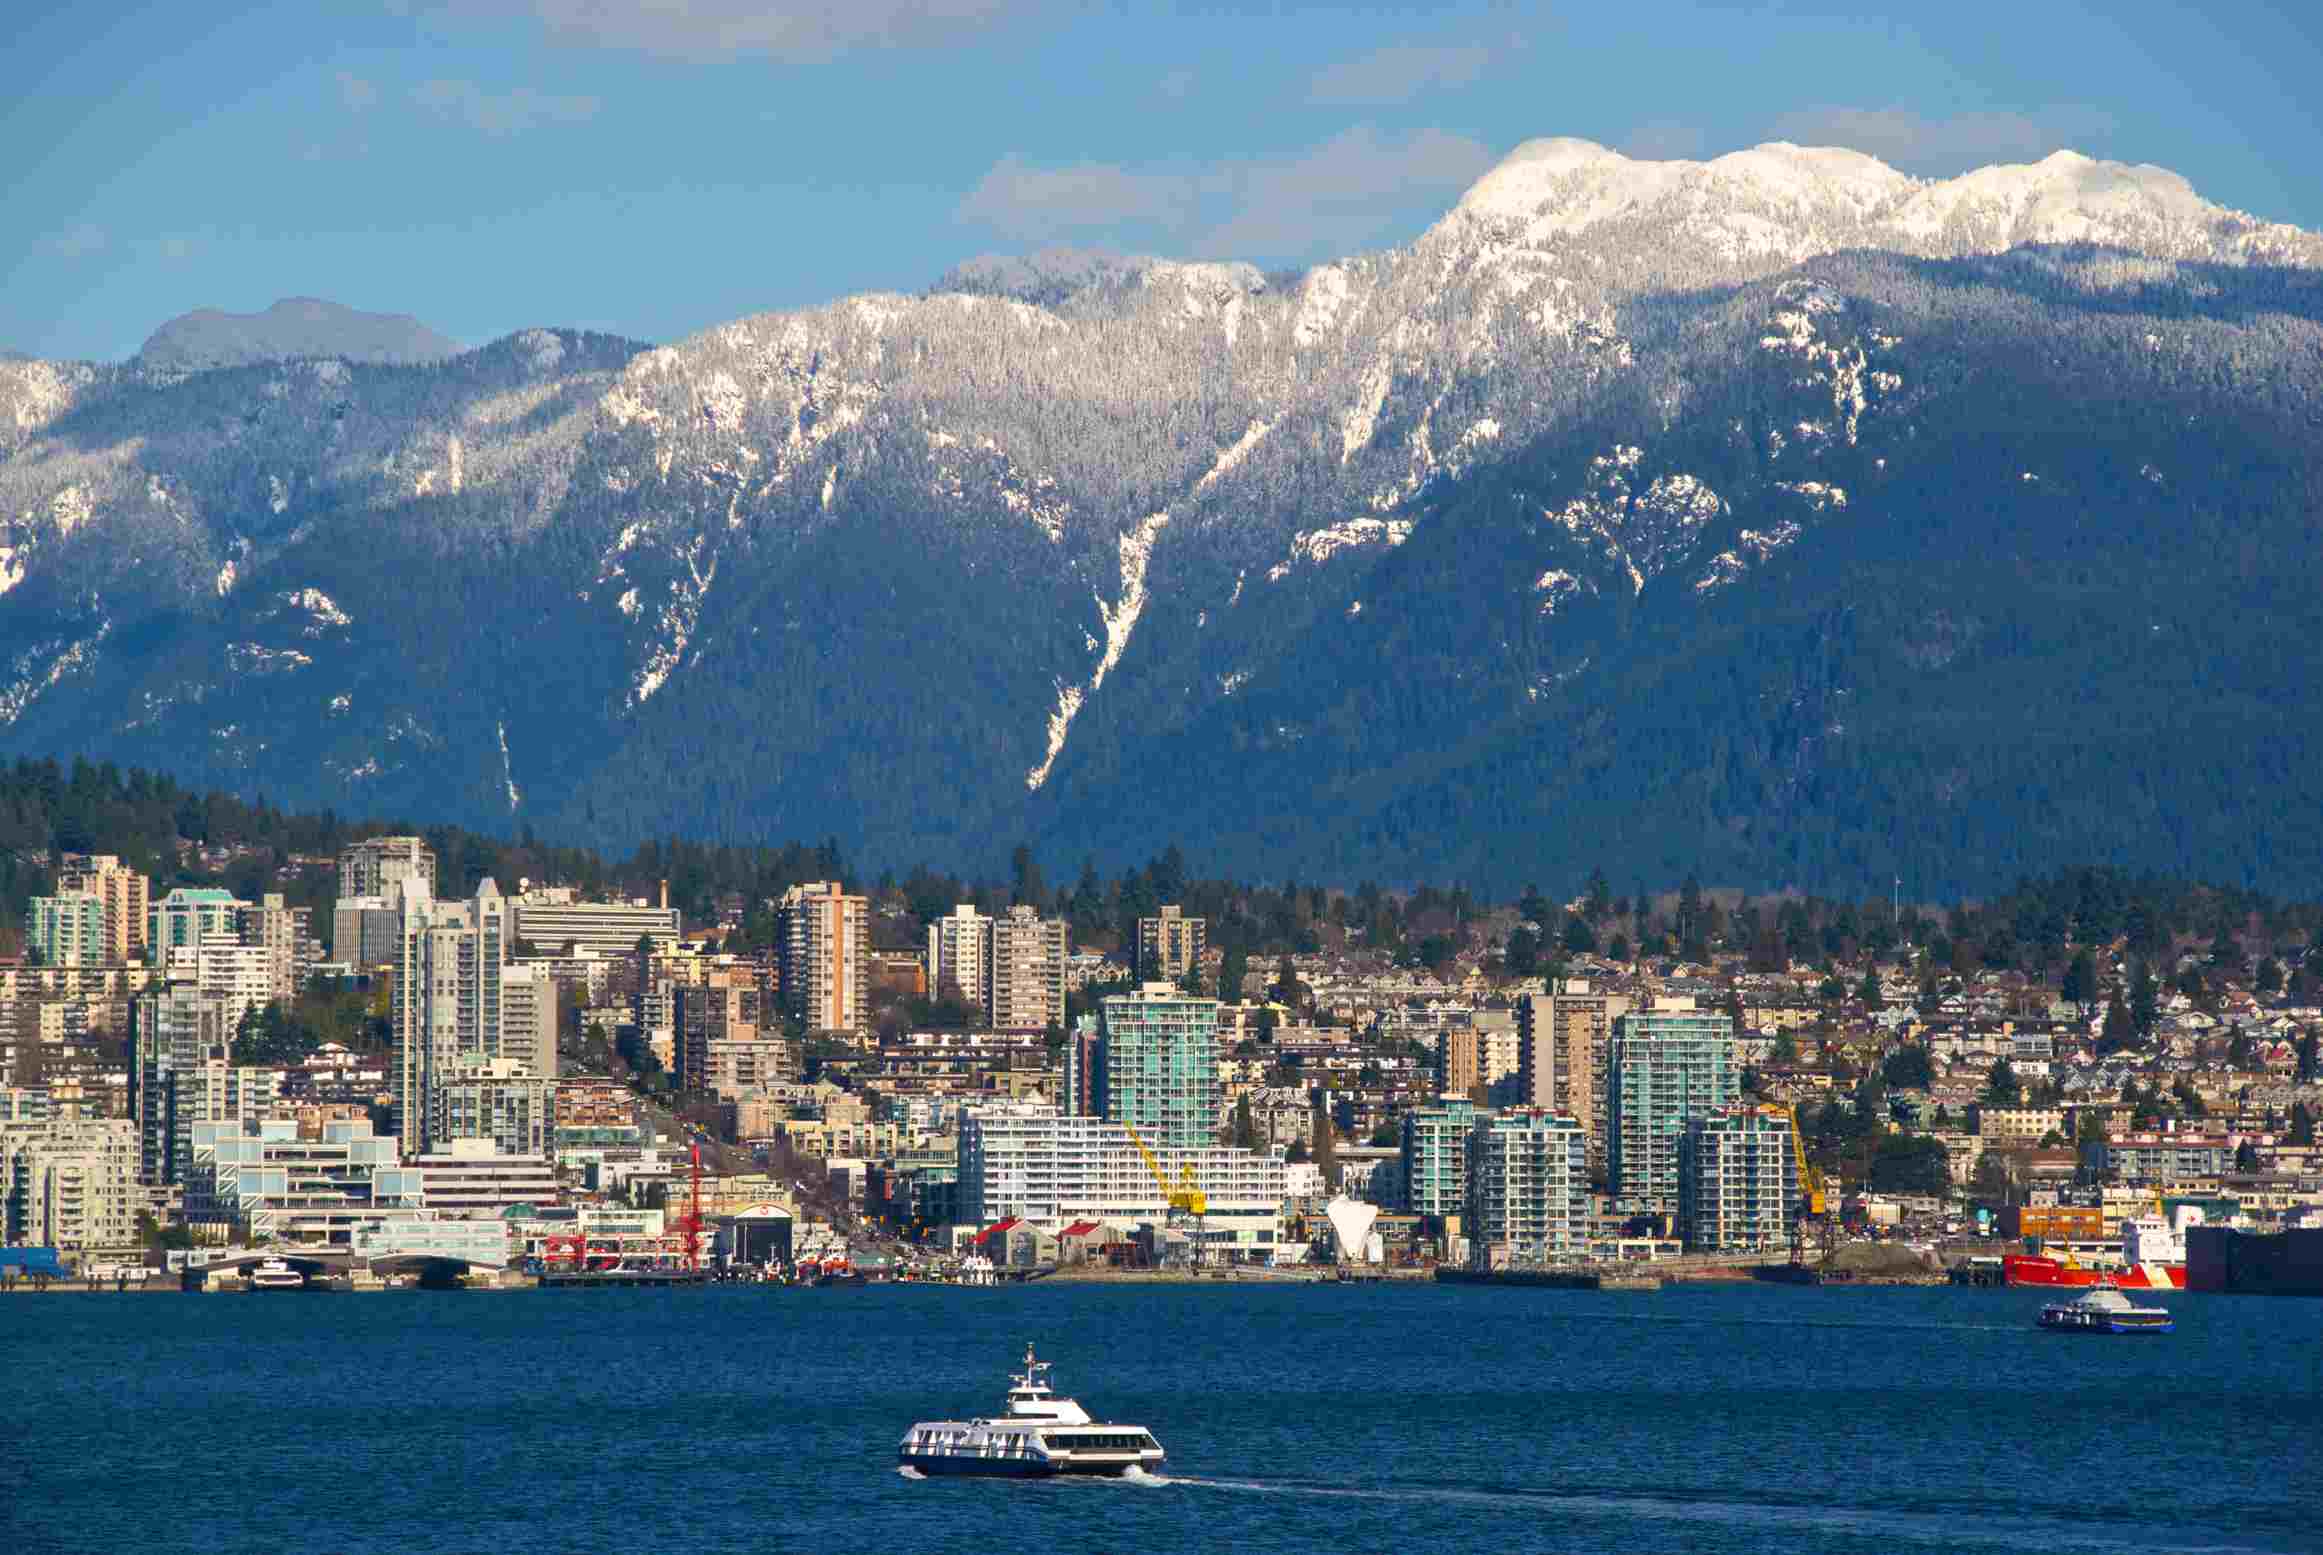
(1778, 519)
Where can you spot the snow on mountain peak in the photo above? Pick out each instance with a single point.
(1806, 173)
(1785, 202)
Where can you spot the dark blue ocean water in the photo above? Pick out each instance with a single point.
(1352, 1418)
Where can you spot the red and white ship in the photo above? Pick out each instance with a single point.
(2153, 1257)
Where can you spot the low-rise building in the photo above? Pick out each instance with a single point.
(470, 1178)
(1027, 1160)
(2003, 1128)
(260, 1179)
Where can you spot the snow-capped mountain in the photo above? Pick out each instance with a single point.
(1102, 550)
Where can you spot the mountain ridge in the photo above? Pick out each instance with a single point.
(292, 327)
(946, 571)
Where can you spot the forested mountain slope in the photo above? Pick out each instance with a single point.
(1779, 516)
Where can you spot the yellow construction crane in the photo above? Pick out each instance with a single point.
(1814, 1190)
(1184, 1196)
(1811, 1185)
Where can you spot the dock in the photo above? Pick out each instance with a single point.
(1553, 1279)
(623, 1279)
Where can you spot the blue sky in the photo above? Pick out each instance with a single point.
(657, 166)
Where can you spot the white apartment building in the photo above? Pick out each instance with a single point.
(242, 978)
(1026, 1159)
(367, 931)
(282, 932)
(493, 1102)
(528, 1017)
(70, 1184)
(1738, 1181)
(1528, 1188)
(552, 923)
(379, 867)
(960, 956)
(448, 1002)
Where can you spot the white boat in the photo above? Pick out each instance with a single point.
(2104, 1310)
(1039, 1434)
(274, 1274)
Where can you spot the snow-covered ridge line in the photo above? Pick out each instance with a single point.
(1786, 201)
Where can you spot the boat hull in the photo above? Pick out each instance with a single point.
(2107, 1326)
(967, 1467)
(2048, 1273)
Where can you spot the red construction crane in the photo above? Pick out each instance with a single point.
(692, 1224)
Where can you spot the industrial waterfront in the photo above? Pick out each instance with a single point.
(1360, 1417)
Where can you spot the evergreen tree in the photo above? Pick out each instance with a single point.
(1028, 889)
(1233, 968)
(1287, 988)
(1523, 953)
(1244, 1134)
(2002, 1087)
(1870, 1105)
(2239, 1048)
(2080, 982)
(1326, 1143)
(2145, 1000)
(1909, 1068)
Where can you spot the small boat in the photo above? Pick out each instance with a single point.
(1040, 1434)
(275, 1274)
(2104, 1310)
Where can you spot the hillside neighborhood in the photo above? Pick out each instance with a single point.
(897, 1079)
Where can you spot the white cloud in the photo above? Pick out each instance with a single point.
(356, 95)
(797, 30)
(1919, 144)
(1401, 72)
(1324, 198)
(501, 113)
(76, 242)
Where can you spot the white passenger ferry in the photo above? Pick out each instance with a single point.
(276, 1274)
(1038, 1435)
(2104, 1310)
